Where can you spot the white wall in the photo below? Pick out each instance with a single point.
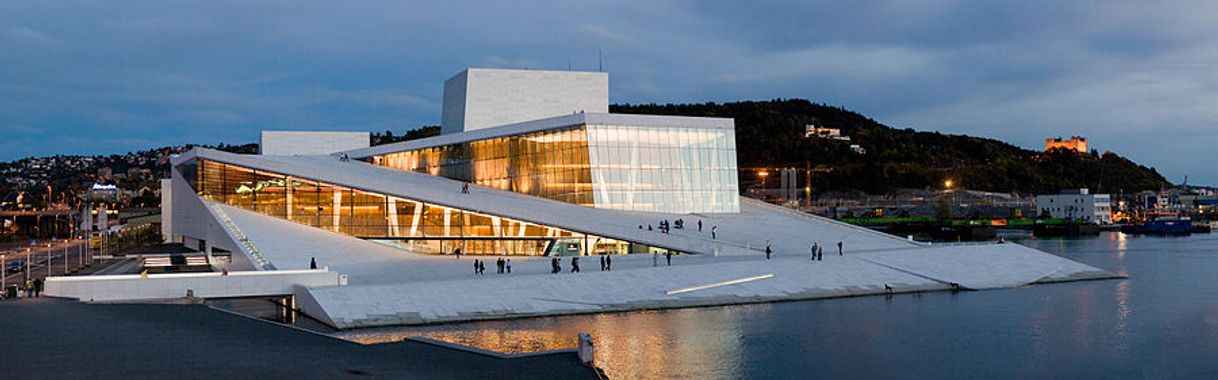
(482, 98)
(289, 143)
(167, 210)
(192, 222)
(1093, 208)
(174, 285)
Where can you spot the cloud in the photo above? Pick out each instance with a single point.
(115, 76)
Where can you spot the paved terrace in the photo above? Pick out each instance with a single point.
(48, 338)
(389, 286)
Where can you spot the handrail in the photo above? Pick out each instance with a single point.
(239, 237)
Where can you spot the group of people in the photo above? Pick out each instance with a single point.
(33, 288)
(606, 263)
(655, 258)
(680, 224)
(501, 266)
(556, 265)
(818, 251)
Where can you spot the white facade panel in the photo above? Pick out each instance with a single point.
(482, 98)
(292, 143)
(167, 211)
(1091, 208)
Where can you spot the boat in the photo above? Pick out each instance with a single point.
(1160, 226)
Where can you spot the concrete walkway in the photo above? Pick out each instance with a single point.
(390, 286)
(48, 338)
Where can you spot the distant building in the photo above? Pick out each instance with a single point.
(812, 131)
(1075, 143)
(102, 193)
(1077, 204)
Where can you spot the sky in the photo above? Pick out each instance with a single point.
(1136, 78)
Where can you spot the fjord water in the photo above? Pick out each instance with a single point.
(1161, 322)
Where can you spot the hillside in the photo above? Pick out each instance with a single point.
(771, 134)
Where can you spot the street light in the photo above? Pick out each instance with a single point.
(763, 174)
(948, 184)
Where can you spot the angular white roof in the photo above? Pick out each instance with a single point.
(557, 122)
(748, 230)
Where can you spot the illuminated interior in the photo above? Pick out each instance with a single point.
(660, 169)
(396, 221)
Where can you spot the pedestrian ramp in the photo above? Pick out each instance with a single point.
(984, 266)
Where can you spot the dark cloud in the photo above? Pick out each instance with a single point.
(92, 76)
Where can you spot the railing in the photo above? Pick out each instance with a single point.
(239, 237)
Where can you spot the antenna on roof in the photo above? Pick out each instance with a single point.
(600, 60)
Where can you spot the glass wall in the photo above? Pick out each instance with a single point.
(664, 169)
(661, 169)
(550, 164)
(391, 220)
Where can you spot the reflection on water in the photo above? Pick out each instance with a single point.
(1161, 322)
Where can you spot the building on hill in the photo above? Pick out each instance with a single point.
(1077, 204)
(1075, 143)
(811, 131)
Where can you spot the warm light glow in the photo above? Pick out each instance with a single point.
(763, 173)
(947, 184)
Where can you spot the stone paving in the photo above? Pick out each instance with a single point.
(389, 286)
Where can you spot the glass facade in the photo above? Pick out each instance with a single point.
(396, 221)
(675, 170)
(551, 164)
(660, 169)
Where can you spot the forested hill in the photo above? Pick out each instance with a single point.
(771, 134)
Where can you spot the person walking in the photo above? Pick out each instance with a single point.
(457, 252)
(555, 266)
(839, 247)
(29, 288)
(609, 263)
(820, 253)
(655, 259)
(38, 286)
(475, 266)
(508, 264)
(575, 265)
(699, 225)
(602, 263)
(768, 250)
(313, 263)
(668, 256)
(465, 188)
(714, 229)
(814, 251)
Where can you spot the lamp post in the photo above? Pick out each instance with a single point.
(763, 174)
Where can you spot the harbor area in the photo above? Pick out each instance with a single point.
(763, 254)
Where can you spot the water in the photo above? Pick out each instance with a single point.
(1161, 322)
